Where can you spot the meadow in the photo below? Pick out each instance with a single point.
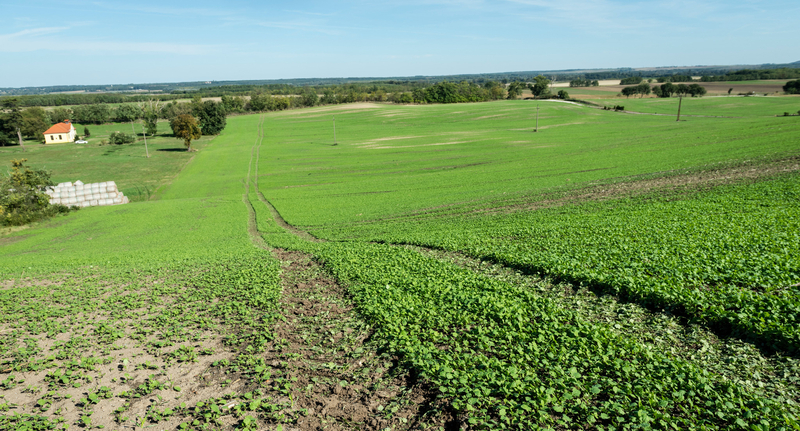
(137, 176)
(609, 271)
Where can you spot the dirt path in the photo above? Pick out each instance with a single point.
(328, 372)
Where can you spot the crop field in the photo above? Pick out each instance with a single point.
(430, 267)
(733, 106)
(760, 88)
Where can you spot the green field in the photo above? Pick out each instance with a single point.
(137, 176)
(610, 271)
(723, 106)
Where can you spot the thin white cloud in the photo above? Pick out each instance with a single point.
(43, 39)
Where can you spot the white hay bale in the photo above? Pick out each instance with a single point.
(55, 201)
(65, 184)
(117, 200)
(125, 200)
(94, 203)
(79, 183)
(111, 188)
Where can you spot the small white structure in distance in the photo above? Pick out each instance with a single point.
(86, 195)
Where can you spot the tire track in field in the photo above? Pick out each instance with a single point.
(339, 380)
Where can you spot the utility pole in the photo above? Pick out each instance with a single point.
(680, 99)
(334, 130)
(145, 141)
(537, 119)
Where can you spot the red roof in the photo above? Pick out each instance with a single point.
(59, 128)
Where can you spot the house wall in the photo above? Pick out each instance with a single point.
(60, 138)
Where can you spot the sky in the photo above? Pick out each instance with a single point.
(76, 42)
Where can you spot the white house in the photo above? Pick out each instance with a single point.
(59, 133)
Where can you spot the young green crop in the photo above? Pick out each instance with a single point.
(726, 258)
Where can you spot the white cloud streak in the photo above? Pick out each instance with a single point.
(43, 39)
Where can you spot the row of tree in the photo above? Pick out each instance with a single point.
(581, 82)
(16, 123)
(752, 75)
(665, 90)
(632, 80)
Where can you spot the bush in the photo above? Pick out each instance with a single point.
(119, 138)
(22, 196)
(792, 87)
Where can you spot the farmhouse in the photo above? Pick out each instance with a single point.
(59, 133)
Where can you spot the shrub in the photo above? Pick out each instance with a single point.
(119, 138)
(22, 196)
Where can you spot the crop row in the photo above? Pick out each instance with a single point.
(726, 258)
(506, 357)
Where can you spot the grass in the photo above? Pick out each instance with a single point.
(727, 106)
(137, 176)
(398, 160)
(501, 315)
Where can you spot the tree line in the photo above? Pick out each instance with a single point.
(581, 82)
(665, 90)
(751, 75)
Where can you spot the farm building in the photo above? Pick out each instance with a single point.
(59, 133)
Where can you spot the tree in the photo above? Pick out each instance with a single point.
(119, 138)
(631, 80)
(695, 90)
(643, 89)
(629, 91)
(667, 90)
(97, 114)
(58, 115)
(150, 113)
(212, 118)
(34, 123)
(791, 87)
(562, 94)
(539, 87)
(731, 89)
(173, 109)
(127, 113)
(197, 105)
(259, 102)
(22, 196)
(86, 131)
(309, 97)
(13, 119)
(185, 127)
(514, 89)
(681, 90)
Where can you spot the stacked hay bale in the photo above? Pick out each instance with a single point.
(86, 195)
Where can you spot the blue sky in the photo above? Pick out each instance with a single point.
(106, 42)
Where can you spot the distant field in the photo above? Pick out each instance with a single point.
(394, 160)
(733, 106)
(771, 87)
